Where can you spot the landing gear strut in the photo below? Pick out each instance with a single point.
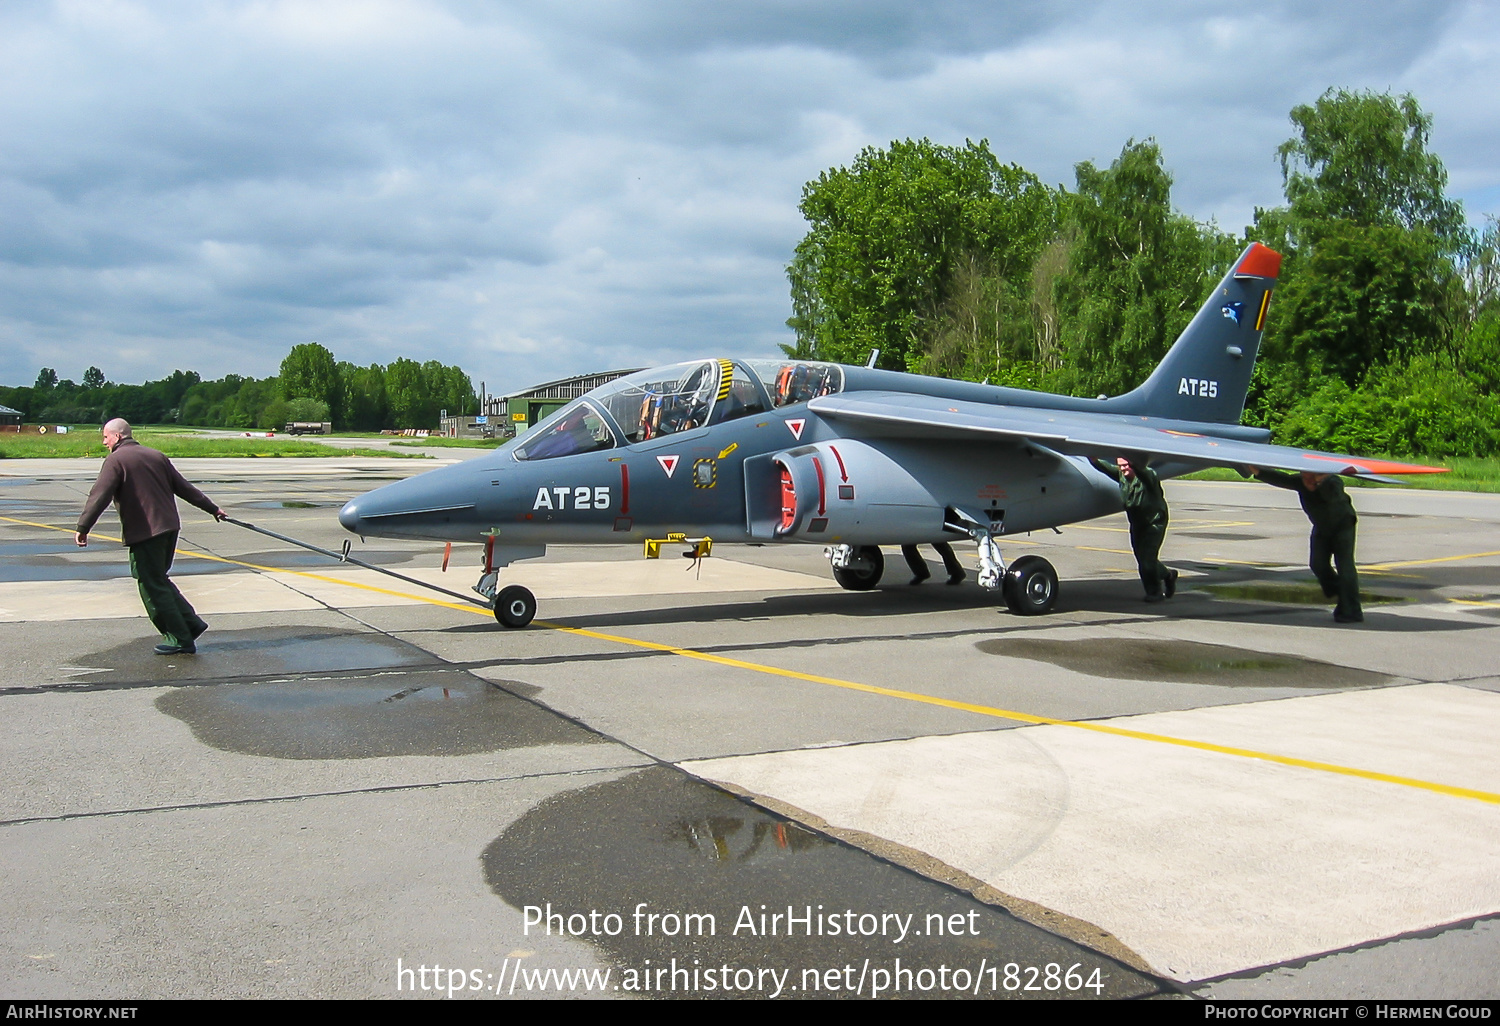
(1029, 585)
(513, 606)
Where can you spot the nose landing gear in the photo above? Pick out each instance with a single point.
(513, 605)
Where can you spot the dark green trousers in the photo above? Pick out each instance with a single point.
(170, 613)
(1146, 536)
(1332, 562)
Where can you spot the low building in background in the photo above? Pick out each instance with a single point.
(518, 412)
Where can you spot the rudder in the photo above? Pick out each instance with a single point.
(1206, 373)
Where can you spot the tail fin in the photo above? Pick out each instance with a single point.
(1206, 373)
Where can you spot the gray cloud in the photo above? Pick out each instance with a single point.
(536, 190)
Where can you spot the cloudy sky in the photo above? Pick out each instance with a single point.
(532, 190)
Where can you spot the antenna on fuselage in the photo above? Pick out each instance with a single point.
(874, 355)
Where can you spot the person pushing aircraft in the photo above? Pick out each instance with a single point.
(1146, 512)
(1333, 518)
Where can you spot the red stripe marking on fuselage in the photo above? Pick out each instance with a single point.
(624, 490)
(822, 506)
(843, 474)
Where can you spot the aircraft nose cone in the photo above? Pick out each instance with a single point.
(349, 516)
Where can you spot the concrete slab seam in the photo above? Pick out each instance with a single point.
(277, 799)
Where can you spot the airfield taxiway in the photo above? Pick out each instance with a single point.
(1224, 795)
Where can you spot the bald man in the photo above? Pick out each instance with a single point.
(143, 485)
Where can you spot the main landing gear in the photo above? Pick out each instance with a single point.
(1028, 586)
(856, 567)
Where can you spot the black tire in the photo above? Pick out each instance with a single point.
(1030, 586)
(862, 580)
(515, 606)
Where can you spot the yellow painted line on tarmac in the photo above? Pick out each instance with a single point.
(1093, 548)
(1428, 562)
(908, 696)
(1020, 717)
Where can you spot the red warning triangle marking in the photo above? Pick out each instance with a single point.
(795, 427)
(668, 463)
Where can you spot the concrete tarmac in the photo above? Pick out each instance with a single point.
(738, 779)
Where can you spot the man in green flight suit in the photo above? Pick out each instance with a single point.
(1328, 506)
(1146, 510)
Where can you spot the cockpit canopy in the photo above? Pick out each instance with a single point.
(679, 397)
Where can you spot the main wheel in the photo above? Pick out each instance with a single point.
(1029, 586)
(862, 580)
(515, 606)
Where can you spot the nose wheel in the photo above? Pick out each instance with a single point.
(515, 606)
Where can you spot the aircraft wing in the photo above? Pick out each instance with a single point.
(1101, 435)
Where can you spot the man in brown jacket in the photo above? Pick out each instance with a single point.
(143, 485)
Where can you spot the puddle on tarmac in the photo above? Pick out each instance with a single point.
(413, 713)
(261, 651)
(1299, 593)
(1181, 662)
(664, 844)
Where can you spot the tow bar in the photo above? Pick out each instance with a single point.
(344, 557)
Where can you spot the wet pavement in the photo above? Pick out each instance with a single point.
(1223, 796)
(367, 717)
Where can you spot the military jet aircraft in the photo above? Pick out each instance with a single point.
(778, 452)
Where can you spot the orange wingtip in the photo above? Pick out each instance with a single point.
(1260, 262)
(1379, 466)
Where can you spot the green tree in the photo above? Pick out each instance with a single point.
(1365, 296)
(363, 406)
(1136, 272)
(93, 378)
(1362, 158)
(313, 410)
(406, 389)
(889, 235)
(46, 380)
(1375, 253)
(309, 372)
